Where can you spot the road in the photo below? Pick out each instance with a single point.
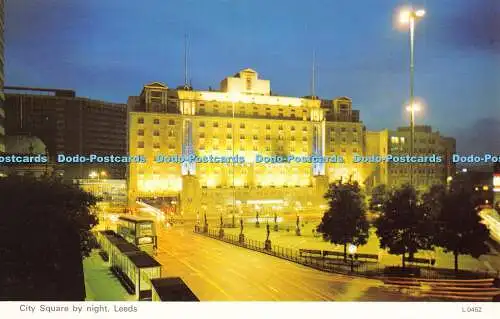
(217, 271)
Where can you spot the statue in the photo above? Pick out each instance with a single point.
(268, 232)
(241, 225)
(297, 229)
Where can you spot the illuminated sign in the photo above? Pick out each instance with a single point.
(496, 183)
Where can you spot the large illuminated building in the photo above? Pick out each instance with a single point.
(396, 142)
(244, 119)
(70, 125)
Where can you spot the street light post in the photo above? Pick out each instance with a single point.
(352, 252)
(409, 17)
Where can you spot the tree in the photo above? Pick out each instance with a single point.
(379, 197)
(44, 235)
(460, 227)
(404, 225)
(433, 200)
(345, 221)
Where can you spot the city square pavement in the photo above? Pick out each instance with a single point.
(218, 271)
(288, 239)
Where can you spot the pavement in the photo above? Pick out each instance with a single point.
(489, 262)
(100, 283)
(218, 271)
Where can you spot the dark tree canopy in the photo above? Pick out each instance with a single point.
(378, 197)
(44, 234)
(345, 221)
(404, 225)
(432, 200)
(460, 230)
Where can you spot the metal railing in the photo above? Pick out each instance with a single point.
(336, 263)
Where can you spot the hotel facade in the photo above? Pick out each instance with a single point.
(243, 119)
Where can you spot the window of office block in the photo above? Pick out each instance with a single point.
(216, 124)
(140, 132)
(156, 133)
(140, 144)
(140, 120)
(229, 125)
(242, 125)
(202, 124)
(156, 121)
(171, 122)
(156, 145)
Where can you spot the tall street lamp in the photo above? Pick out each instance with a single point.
(409, 17)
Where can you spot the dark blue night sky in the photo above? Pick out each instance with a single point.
(107, 49)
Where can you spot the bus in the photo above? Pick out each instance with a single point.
(138, 231)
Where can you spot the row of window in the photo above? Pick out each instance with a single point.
(401, 140)
(171, 133)
(242, 126)
(140, 120)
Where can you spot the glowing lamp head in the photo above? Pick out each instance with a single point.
(416, 107)
(404, 16)
(420, 13)
(352, 249)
